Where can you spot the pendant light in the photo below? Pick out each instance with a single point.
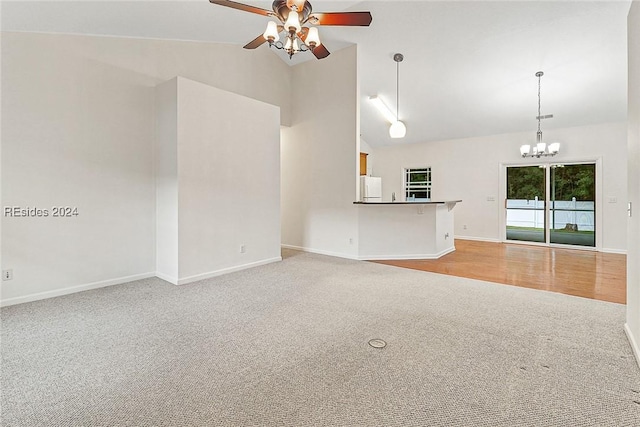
(397, 129)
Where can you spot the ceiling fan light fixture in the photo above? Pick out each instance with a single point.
(290, 15)
(271, 33)
(313, 38)
(397, 129)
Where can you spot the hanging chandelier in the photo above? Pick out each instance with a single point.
(540, 149)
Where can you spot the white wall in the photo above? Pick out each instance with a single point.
(79, 133)
(319, 157)
(228, 181)
(469, 169)
(633, 241)
(78, 130)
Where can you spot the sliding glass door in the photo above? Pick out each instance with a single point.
(526, 217)
(551, 204)
(573, 207)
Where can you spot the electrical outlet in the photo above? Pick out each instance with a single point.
(7, 274)
(243, 249)
(351, 240)
(464, 227)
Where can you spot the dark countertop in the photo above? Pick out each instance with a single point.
(407, 203)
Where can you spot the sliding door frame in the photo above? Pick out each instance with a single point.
(547, 163)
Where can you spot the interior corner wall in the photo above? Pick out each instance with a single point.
(470, 169)
(228, 182)
(633, 221)
(319, 163)
(78, 130)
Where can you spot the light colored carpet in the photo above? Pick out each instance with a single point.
(286, 344)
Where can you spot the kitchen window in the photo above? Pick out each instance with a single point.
(417, 184)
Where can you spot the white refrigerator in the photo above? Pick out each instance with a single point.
(370, 189)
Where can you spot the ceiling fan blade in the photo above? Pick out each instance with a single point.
(303, 33)
(320, 52)
(362, 19)
(244, 7)
(258, 41)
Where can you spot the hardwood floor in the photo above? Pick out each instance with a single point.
(588, 274)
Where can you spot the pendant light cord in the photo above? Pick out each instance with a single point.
(397, 91)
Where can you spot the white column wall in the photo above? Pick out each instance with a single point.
(166, 176)
(228, 181)
(633, 240)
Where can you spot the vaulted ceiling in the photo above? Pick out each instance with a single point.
(469, 67)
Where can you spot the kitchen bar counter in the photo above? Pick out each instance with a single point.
(407, 203)
(405, 230)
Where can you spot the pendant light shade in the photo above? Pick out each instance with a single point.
(271, 33)
(313, 38)
(293, 22)
(397, 129)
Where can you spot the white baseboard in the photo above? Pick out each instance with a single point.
(478, 239)
(409, 256)
(614, 251)
(73, 289)
(370, 257)
(320, 252)
(167, 278)
(633, 342)
(215, 273)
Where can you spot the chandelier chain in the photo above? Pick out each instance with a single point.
(539, 114)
